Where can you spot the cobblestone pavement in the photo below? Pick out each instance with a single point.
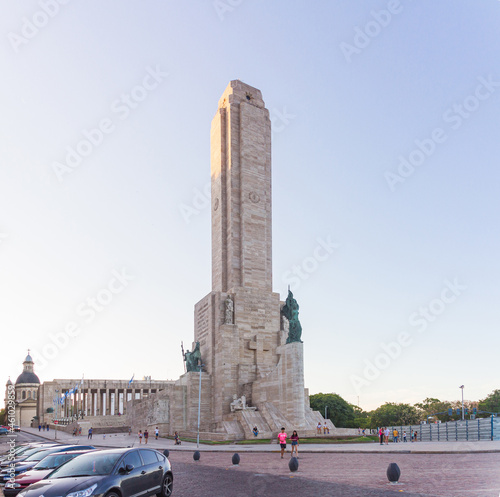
(264, 474)
(463, 471)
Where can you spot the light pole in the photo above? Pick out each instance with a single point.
(55, 420)
(463, 411)
(199, 409)
(326, 407)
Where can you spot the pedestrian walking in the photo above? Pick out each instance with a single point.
(282, 441)
(146, 436)
(415, 435)
(295, 444)
(386, 436)
(89, 436)
(157, 432)
(404, 436)
(177, 439)
(39, 427)
(140, 436)
(395, 435)
(381, 435)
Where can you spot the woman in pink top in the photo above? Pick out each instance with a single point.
(282, 441)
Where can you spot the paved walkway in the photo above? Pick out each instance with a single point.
(125, 440)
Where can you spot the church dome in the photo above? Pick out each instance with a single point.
(27, 377)
(8, 382)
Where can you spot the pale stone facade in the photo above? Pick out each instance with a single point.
(250, 377)
(94, 401)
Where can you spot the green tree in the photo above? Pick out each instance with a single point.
(339, 411)
(2, 416)
(391, 414)
(430, 406)
(491, 403)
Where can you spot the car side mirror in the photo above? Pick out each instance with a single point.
(127, 469)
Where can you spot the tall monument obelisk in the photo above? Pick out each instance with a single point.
(238, 324)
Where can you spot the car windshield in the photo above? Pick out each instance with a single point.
(91, 464)
(38, 456)
(29, 452)
(53, 461)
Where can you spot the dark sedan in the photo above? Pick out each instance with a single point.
(39, 471)
(133, 472)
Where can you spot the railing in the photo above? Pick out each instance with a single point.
(467, 430)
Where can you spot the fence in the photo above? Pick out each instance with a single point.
(453, 431)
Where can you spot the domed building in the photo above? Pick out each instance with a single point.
(26, 388)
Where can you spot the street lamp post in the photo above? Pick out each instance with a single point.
(199, 409)
(326, 407)
(57, 409)
(463, 411)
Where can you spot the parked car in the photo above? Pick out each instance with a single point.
(17, 428)
(39, 471)
(123, 472)
(4, 431)
(34, 459)
(24, 454)
(22, 448)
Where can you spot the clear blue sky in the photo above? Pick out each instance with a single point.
(403, 304)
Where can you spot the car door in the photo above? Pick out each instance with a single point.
(153, 471)
(132, 482)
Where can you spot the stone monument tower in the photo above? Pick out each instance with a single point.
(248, 340)
(239, 324)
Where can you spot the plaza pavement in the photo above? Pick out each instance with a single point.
(440, 469)
(125, 440)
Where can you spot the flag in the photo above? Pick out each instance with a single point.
(131, 379)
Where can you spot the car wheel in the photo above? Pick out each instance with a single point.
(113, 494)
(166, 486)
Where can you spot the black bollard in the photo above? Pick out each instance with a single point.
(393, 472)
(293, 464)
(196, 456)
(166, 452)
(236, 459)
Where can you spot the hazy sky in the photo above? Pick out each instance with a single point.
(385, 154)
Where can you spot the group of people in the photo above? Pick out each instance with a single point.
(77, 431)
(294, 439)
(324, 427)
(44, 427)
(384, 434)
(145, 435)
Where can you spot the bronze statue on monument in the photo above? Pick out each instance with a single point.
(192, 359)
(291, 311)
